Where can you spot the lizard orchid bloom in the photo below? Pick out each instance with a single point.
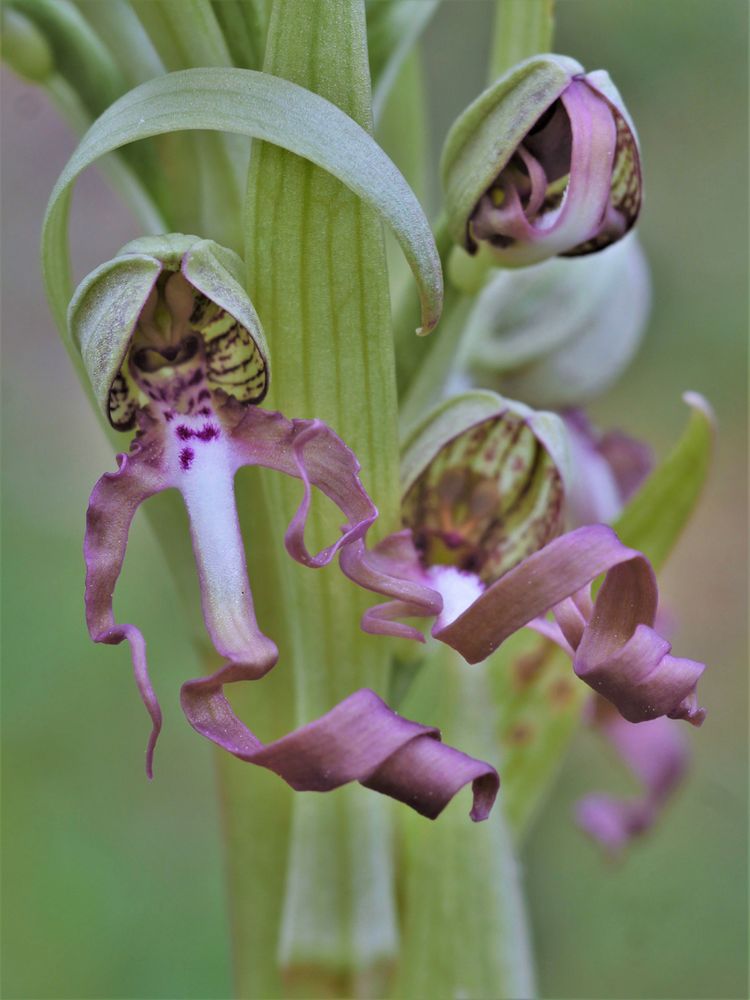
(174, 348)
(484, 491)
(545, 162)
(656, 753)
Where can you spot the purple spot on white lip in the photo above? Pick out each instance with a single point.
(186, 458)
(184, 433)
(205, 411)
(207, 433)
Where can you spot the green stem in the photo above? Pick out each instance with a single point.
(463, 901)
(317, 277)
(402, 132)
(522, 28)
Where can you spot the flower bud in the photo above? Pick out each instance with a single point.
(545, 162)
(483, 484)
(559, 334)
(142, 311)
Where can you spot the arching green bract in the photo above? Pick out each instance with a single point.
(261, 106)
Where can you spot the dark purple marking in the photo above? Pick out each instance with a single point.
(203, 394)
(196, 377)
(168, 415)
(208, 432)
(205, 411)
(186, 458)
(184, 433)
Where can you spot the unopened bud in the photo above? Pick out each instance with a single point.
(559, 334)
(543, 163)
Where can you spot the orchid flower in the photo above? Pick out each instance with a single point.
(484, 490)
(190, 373)
(545, 162)
(657, 755)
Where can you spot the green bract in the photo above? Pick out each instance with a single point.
(260, 106)
(107, 304)
(459, 413)
(559, 334)
(485, 136)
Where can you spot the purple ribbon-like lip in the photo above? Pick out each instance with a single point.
(199, 451)
(611, 640)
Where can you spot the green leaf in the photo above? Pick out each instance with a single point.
(117, 25)
(656, 516)
(393, 29)
(260, 106)
(244, 24)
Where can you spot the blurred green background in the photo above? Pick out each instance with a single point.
(112, 887)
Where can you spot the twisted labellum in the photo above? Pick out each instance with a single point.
(495, 580)
(184, 357)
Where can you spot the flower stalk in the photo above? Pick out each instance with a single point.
(316, 272)
(522, 28)
(456, 878)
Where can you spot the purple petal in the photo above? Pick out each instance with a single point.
(626, 661)
(392, 568)
(360, 739)
(630, 460)
(626, 189)
(310, 451)
(113, 503)
(618, 653)
(657, 754)
(592, 152)
(609, 469)
(577, 222)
